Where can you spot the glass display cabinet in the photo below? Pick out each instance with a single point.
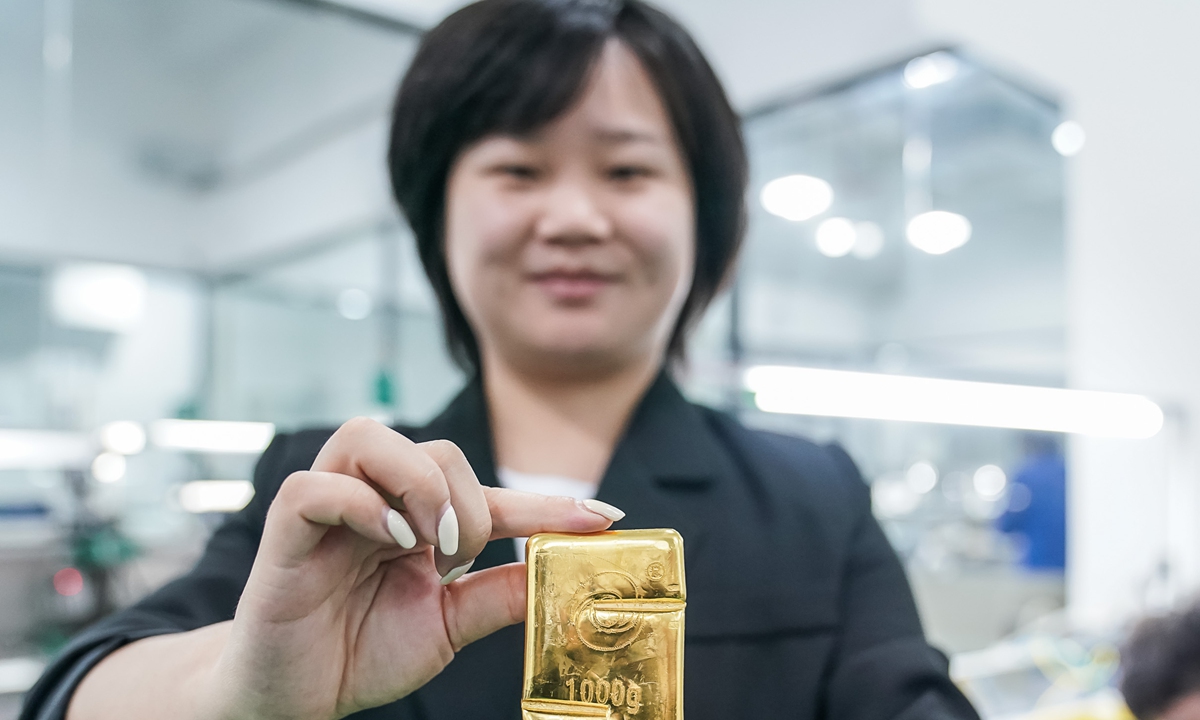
(909, 222)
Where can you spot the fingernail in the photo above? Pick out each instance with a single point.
(604, 509)
(456, 573)
(398, 527)
(448, 532)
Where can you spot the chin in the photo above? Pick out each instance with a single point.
(571, 356)
(581, 342)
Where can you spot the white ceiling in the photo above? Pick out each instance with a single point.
(759, 46)
(423, 12)
(166, 91)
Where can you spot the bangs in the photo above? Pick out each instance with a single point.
(529, 80)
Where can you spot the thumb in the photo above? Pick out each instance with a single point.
(483, 602)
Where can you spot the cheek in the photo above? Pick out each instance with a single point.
(483, 236)
(664, 235)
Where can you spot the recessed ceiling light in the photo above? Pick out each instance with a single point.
(835, 237)
(938, 232)
(1068, 138)
(796, 197)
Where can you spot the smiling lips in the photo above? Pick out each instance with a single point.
(573, 286)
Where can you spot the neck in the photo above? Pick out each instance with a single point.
(561, 426)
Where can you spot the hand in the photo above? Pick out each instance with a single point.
(353, 600)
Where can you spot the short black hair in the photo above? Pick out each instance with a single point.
(1160, 663)
(511, 66)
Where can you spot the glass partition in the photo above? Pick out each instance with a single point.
(346, 329)
(923, 237)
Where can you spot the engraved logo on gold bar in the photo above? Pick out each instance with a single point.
(606, 630)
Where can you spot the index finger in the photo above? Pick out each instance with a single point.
(520, 514)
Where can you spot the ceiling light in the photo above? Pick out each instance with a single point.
(18, 674)
(109, 467)
(938, 232)
(868, 240)
(921, 477)
(354, 304)
(98, 296)
(989, 481)
(932, 69)
(205, 496)
(212, 436)
(835, 237)
(45, 450)
(839, 393)
(797, 197)
(1068, 138)
(124, 436)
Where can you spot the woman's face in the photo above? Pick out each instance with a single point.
(571, 250)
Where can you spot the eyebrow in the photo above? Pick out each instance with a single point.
(625, 135)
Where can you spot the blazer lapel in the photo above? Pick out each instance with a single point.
(666, 467)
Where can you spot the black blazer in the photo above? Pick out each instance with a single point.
(797, 605)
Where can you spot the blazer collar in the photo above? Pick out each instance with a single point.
(667, 436)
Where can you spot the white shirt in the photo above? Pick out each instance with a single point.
(543, 485)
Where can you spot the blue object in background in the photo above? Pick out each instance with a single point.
(1042, 521)
(23, 511)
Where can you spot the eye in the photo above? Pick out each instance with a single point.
(628, 172)
(518, 171)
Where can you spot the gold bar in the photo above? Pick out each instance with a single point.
(604, 626)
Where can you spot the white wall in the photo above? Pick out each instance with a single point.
(1127, 72)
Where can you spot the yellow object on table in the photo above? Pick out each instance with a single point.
(604, 626)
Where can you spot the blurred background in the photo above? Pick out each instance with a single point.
(198, 249)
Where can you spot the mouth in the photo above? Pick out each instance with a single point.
(573, 285)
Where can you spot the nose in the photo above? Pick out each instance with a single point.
(571, 215)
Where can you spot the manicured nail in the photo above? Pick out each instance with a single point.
(456, 573)
(448, 532)
(604, 509)
(398, 527)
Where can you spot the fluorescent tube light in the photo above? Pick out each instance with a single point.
(212, 436)
(45, 450)
(98, 296)
(205, 496)
(18, 674)
(839, 393)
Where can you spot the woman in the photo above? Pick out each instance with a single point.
(574, 177)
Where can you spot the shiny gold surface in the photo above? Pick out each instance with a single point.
(604, 626)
